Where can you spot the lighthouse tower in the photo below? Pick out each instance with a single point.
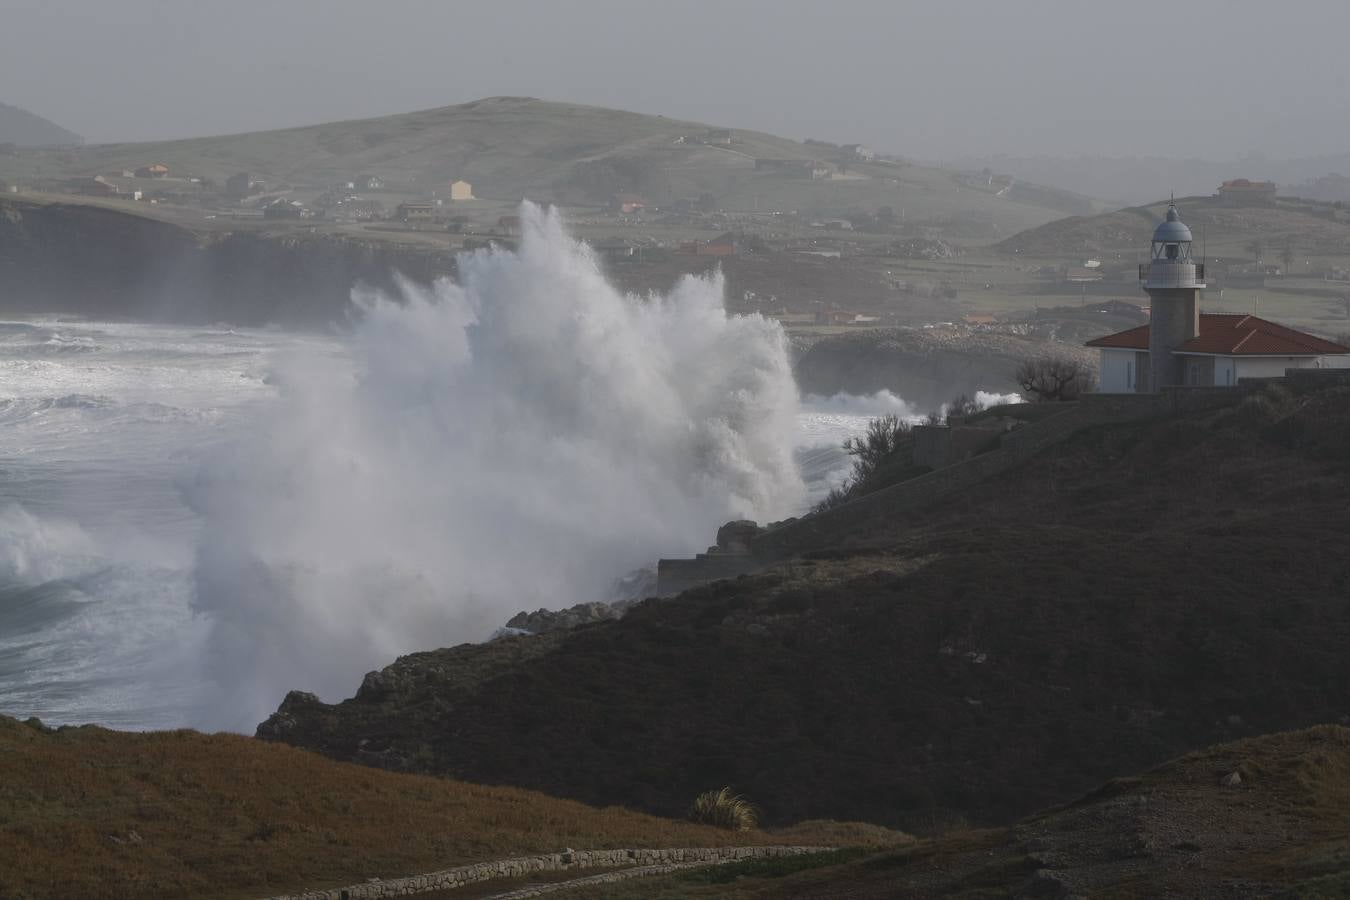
(1173, 281)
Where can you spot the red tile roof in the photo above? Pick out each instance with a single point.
(1232, 335)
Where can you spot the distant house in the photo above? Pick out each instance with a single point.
(281, 208)
(368, 183)
(509, 224)
(718, 136)
(154, 170)
(1241, 192)
(459, 190)
(627, 204)
(239, 186)
(722, 245)
(834, 317)
(416, 212)
(858, 151)
(617, 249)
(979, 319)
(1082, 274)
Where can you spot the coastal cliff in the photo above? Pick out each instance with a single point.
(979, 659)
(92, 260)
(925, 366)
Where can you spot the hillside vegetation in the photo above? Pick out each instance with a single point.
(87, 812)
(1135, 592)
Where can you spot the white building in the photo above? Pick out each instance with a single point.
(1228, 347)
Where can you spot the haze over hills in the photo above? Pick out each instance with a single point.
(1131, 180)
(25, 129)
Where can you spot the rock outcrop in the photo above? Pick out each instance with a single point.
(543, 620)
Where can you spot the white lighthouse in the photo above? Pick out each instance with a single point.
(1181, 346)
(1174, 282)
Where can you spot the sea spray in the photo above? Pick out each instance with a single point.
(512, 440)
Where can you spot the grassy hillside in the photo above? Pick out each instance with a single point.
(1223, 232)
(1135, 592)
(1176, 831)
(86, 812)
(509, 147)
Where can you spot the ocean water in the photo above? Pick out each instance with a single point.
(104, 430)
(195, 520)
(100, 426)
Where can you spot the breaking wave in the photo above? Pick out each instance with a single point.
(514, 440)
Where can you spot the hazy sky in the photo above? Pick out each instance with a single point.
(1214, 78)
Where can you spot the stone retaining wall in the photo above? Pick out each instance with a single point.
(674, 576)
(521, 866)
(538, 890)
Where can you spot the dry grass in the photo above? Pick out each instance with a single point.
(723, 809)
(94, 813)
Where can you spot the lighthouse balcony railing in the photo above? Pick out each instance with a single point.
(1163, 273)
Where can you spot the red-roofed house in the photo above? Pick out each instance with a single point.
(1227, 347)
(1241, 192)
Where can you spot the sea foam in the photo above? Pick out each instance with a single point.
(513, 439)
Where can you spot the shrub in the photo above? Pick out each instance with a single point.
(723, 809)
(884, 437)
(1271, 403)
(1054, 378)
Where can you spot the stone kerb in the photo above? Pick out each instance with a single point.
(449, 879)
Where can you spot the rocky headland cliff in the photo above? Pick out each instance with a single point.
(925, 366)
(86, 259)
(1137, 591)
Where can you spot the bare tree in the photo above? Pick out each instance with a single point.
(1054, 378)
(1287, 257)
(883, 436)
(962, 406)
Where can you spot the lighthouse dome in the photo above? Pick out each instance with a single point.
(1172, 230)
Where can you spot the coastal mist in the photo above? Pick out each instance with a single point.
(518, 438)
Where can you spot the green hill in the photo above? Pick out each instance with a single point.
(24, 129)
(509, 147)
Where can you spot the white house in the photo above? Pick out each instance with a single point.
(1228, 347)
